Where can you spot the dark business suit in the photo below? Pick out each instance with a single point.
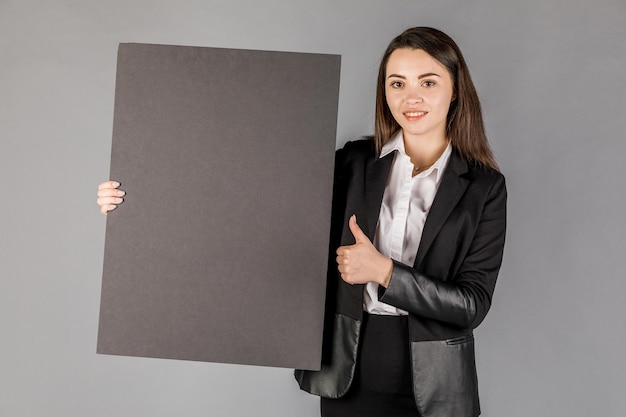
(447, 292)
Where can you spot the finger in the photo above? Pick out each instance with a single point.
(108, 192)
(106, 208)
(344, 272)
(358, 234)
(342, 250)
(109, 200)
(108, 184)
(346, 278)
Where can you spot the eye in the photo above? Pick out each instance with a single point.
(396, 84)
(428, 83)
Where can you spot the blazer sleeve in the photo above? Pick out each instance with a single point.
(464, 299)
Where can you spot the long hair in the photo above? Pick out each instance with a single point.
(464, 127)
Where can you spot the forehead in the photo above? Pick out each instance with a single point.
(407, 61)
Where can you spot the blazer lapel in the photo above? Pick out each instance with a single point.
(376, 181)
(450, 191)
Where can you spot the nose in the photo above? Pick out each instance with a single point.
(414, 97)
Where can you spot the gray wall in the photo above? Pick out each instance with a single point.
(551, 77)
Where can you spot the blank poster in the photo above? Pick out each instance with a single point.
(219, 252)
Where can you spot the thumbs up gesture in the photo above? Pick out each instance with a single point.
(362, 263)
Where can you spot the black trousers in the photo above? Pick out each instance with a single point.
(382, 385)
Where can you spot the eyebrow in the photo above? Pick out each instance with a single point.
(428, 74)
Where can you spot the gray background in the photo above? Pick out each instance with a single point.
(551, 77)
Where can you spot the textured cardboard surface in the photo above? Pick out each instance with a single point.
(219, 251)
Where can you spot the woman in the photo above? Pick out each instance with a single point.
(427, 192)
(418, 227)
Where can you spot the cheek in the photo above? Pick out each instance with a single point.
(442, 101)
(392, 102)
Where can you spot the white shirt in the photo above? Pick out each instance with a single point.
(406, 202)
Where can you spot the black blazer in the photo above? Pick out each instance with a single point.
(447, 291)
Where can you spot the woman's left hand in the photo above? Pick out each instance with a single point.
(362, 263)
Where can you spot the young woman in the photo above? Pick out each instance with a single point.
(418, 263)
(418, 227)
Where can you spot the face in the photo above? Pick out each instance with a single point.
(418, 90)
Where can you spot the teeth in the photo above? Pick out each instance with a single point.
(415, 113)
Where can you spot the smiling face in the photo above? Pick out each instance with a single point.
(418, 90)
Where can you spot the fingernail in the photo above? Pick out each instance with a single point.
(121, 193)
(118, 200)
(115, 183)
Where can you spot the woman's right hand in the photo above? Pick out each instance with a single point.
(109, 196)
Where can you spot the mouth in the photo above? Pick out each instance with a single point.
(414, 115)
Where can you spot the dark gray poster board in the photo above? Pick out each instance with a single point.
(219, 252)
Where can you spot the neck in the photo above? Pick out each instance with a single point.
(424, 151)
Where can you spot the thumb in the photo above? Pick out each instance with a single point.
(358, 234)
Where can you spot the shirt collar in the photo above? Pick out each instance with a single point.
(396, 143)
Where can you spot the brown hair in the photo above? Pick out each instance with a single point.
(465, 127)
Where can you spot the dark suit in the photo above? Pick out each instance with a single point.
(447, 292)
